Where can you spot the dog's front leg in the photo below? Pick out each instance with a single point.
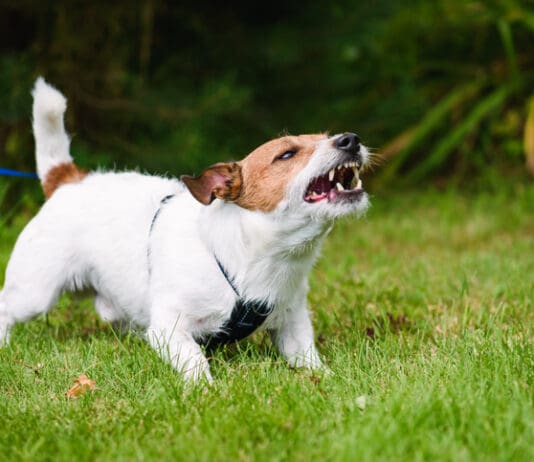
(294, 338)
(179, 348)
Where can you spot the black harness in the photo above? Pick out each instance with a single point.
(246, 316)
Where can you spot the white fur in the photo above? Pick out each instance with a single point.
(98, 233)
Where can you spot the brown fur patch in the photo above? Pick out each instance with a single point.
(61, 174)
(265, 179)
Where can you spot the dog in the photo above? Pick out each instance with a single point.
(193, 261)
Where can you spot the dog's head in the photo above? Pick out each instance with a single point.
(314, 175)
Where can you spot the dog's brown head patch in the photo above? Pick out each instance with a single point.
(268, 170)
(60, 175)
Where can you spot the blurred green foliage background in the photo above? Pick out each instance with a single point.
(442, 89)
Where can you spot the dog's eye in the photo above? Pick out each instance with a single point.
(287, 155)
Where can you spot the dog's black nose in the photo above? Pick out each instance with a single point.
(348, 142)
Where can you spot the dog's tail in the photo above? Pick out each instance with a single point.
(54, 163)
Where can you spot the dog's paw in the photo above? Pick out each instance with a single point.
(309, 360)
(196, 370)
(197, 376)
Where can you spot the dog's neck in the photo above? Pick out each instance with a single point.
(265, 253)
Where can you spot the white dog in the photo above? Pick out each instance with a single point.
(203, 260)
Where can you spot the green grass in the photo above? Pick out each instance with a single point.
(425, 307)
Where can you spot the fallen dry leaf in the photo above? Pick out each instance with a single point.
(82, 385)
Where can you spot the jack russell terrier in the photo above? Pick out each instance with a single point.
(201, 261)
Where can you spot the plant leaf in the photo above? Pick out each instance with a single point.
(490, 104)
(528, 139)
(404, 144)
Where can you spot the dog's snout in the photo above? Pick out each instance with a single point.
(349, 142)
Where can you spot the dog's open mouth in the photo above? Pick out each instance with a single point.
(340, 183)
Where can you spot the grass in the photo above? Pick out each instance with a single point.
(423, 310)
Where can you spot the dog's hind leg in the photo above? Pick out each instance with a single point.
(36, 274)
(106, 310)
(20, 302)
(112, 314)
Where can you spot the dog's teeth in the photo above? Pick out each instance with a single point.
(313, 194)
(356, 174)
(340, 187)
(331, 174)
(359, 184)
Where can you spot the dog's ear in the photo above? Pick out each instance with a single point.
(222, 181)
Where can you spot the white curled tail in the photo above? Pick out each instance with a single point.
(51, 139)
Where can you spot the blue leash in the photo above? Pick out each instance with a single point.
(8, 172)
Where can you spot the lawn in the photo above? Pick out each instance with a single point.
(423, 311)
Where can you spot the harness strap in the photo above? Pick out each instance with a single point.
(225, 274)
(161, 204)
(247, 316)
